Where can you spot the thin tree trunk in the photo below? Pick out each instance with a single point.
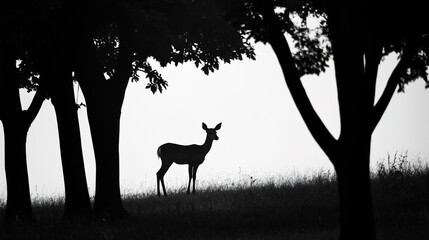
(16, 125)
(18, 204)
(57, 75)
(77, 202)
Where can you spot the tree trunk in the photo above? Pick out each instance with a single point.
(104, 119)
(357, 52)
(77, 202)
(57, 76)
(350, 153)
(351, 163)
(18, 204)
(104, 100)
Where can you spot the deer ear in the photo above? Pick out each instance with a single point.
(204, 126)
(218, 126)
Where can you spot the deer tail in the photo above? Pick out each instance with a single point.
(158, 152)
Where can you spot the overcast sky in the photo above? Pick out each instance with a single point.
(262, 135)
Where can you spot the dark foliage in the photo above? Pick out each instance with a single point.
(312, 49)
(171, 32)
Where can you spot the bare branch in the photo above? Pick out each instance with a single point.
(394, 79)
(36, 104)
(373, 55)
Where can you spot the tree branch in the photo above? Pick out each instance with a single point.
(373, 54)
(32, 111)
(282, 50)
(394, 79)
(10, 103)
(124, 67)
(89, 73)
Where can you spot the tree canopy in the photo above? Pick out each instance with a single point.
(391, 26)
(171, 32)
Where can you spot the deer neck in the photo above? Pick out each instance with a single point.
(207, 145)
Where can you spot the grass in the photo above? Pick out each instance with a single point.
(303, 208)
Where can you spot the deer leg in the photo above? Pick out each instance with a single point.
(190, 177)
(160, 177)
(194, 176)
(163, 187)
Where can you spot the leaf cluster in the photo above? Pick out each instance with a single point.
(156, 82)
(28, 75)
(311, 46)
(418, 66)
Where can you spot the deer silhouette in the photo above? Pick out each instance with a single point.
(193, 155)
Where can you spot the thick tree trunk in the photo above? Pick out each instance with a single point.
(104, 100)
(104, 119)
(351, 164)
(18, 204)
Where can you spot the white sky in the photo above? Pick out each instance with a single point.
(262, 133)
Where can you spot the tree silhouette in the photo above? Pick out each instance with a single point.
(57, 76)
(359, 35)
(16, 123)
(35, 38)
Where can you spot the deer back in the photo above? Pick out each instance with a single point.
(182, 154)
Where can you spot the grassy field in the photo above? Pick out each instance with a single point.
(304, 208)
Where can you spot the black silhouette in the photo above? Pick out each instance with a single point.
(57, 76)
(359, 35)
(193, 155)
(16, 123)
(50, 40)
